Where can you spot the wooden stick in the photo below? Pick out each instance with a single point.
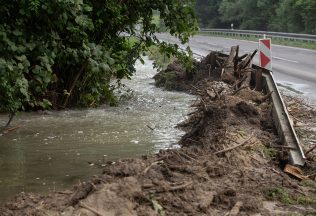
(151, 165)
(4, 129)
(221, 90)
(217, 95)
(179, 187)
(187, 156)
(235, 210)
(283, 147)
(242, 57)
(249, 60)
(233, 147)
(236, 58)
(197, 89)
(205, 107)
(73, 84)
(11, 129)
(312, 175)
(11, 116)
(240, 82)
(90, 209)
(267, 96)
(236, 91)
(150, 127)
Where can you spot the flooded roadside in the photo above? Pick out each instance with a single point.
(56, 150)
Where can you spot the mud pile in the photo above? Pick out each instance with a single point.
(228, 163)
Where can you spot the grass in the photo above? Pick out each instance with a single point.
(269, 152)
(278, 41)
(280, 194)
(277, 194)
(309, 183)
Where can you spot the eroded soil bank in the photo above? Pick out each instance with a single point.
(231, 163)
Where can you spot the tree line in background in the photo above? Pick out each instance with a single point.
(298, 16)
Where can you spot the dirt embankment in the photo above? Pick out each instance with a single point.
(229, 163)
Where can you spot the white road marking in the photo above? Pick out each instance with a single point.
(284, 59)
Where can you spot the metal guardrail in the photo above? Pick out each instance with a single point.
(282, 121)
(281, 35)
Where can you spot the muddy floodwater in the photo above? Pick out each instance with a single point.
(52, 151)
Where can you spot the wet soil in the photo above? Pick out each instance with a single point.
(229, 164)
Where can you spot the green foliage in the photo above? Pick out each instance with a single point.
(66, 52)
(208, 14)
(272, 15)
(269, 152)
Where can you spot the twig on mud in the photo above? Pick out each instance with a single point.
(230, 139)
(197, 89)
(217, 94)
(236, 91)
(312, 175)
(239, 82)
(192, 140)
(64, 192)
(283, 147)
(233, 147)
(194, 112)
(205, 107)
(187, 156)
(179, 187)
(267, 96)
(90, 209)
(151, 165)
(221, 90)
(302, 102)
(219, 64)
(284, 176)
(310, 150)
(235, 210)
(179, 156)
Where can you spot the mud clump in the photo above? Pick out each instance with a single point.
(244, 109)
(223, 166)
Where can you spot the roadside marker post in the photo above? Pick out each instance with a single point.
(265, 57)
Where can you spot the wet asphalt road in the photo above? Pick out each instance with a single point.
(294, 68)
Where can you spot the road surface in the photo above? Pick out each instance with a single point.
(294, 68)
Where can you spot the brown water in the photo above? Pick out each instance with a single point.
(56, 150)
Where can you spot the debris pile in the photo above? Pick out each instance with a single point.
(228, 163)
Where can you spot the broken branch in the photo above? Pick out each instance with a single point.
(236, 91)
(310, 150)
(151, 165)
(234, 147)
(90, 209)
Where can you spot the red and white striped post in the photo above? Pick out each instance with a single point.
(265, 53)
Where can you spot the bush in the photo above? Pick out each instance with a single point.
(62, 53)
